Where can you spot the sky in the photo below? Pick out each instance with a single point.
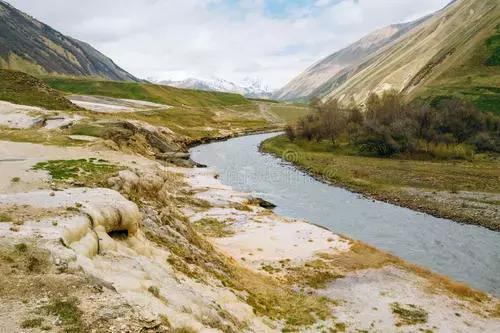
(269, 40)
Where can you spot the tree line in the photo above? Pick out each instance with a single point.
(387, 125)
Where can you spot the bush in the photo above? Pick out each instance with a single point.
(485, 142)
(448, 128)
(290, 133)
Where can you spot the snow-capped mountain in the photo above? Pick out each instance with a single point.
(252, 88)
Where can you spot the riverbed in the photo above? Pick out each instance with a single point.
(466, 253)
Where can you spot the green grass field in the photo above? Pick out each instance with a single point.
(289, 113)
(147, 92)
(21, 88)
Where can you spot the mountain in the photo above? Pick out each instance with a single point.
(251, 88)
(313, 80)
(33, 47)
(447, 54)
(453, 52)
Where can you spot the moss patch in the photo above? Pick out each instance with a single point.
(89, 170)
(66, 309)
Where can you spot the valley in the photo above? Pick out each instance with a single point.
(362, 196)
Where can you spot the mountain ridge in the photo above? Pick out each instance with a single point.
(450, 42)
(316, 78)
(251, 88)
(31, 46)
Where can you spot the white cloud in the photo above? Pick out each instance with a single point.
(203, 38)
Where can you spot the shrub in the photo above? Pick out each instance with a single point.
(448, 128)
(290, 133)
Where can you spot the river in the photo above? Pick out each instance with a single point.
(466, 253)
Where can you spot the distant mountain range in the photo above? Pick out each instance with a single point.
(251, 88)
(451, 52)
(33, 47)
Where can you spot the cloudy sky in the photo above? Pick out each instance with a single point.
(232, 39)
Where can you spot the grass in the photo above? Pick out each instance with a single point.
(4, 217)
(21, 88)
(198, 123)
(32, 323)
(147, 92)
(289, 113)
(66, 309)
(193, 256)
(315, 274)
(390, 178)
(213, 228)
(91, 170)
(35, 136)
(409, 314)
(28, 258)
(196, 258)
(475, 79)
(362, 256)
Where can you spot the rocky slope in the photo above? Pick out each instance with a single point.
(314, 80)
(33, 47)
(453, 41)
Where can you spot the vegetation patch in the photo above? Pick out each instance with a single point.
(66, 309)
(146, 91)
(315, 274)
(4, 217)
(27, 258)
(389, 126)
(213, 227)
(36, 136)
(88, 170)
(409, 314)
(154, 291)
(289, 113)
(32, 323)
(493, 46)
(24, 89)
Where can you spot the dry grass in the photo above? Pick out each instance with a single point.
(409, 314)
(213, 228)
(362, 256)
(194, 256)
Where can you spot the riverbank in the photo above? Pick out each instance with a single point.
(463, 191)
(173, 247)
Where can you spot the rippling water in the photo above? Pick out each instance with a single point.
(467, 253)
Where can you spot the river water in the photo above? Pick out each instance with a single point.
(466, 253)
